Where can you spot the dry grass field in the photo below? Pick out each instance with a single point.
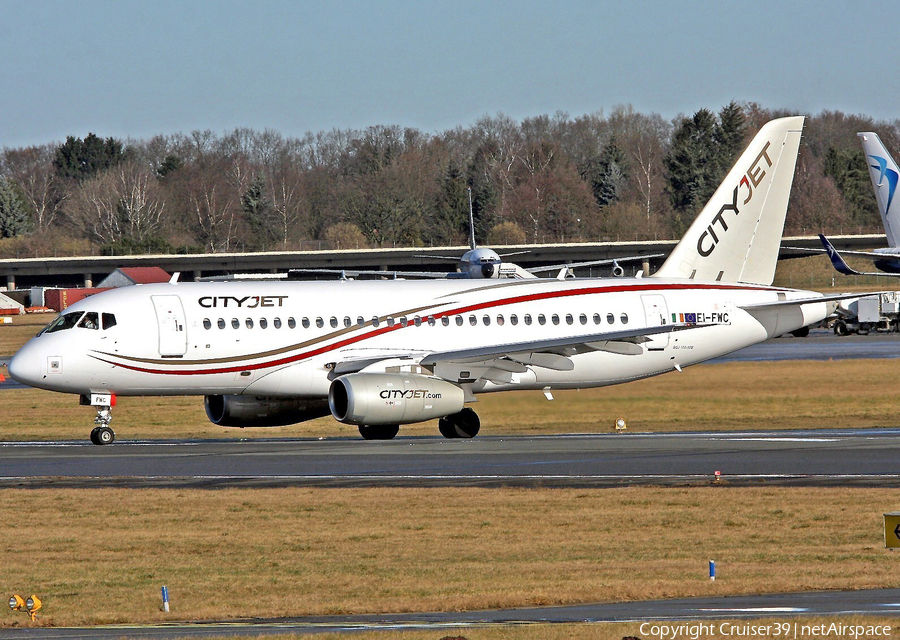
(100, 556)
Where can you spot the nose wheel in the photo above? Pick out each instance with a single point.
(102, 435)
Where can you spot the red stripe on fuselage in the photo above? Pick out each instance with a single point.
(459, 311)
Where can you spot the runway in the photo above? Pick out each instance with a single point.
(820, 457)
(733, 612)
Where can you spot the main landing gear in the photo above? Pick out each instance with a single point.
(464, 424)
(378, 431)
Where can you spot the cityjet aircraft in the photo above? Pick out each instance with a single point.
(380, 354)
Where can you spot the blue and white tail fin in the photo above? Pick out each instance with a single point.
(884, 173)
(736, 236)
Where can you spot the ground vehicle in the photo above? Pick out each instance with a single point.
(876, 312)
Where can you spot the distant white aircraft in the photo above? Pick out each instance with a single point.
(884, 174)
(382, 353)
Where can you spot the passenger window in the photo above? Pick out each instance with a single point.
(277, 323)
(417, 321)
(500, 320)
(90, 321)
(445, 321)
(582, 319)
(403, 321)
(459, 321)
(390, 322)
(527, 318)
(375, 321)
(360, 321)
(610, 318)
(292, 324)
(221, 323)
(249, 323)
(597, 318)
(320, 323)
(514, 319)
(207, 324)
(263, 323)
(304, 322)
(333, 322)
(542, 319)
(486, 319)
(109, 321)
(235, 323)
(569, 318)
(347, 322)
(473, 320)
(431, 321)
(624, 318)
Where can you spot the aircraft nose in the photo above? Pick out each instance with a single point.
(25, 366)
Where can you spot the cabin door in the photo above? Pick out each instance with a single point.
(655, 312)
(172, 333)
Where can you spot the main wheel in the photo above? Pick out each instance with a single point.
(464, 424)
(94, 439)
(379, 431)
(105, 435)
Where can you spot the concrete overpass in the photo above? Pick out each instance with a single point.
(88, 270)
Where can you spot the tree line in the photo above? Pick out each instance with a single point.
(625, 175)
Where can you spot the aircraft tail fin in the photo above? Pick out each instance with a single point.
(884, 173)
(736, 236)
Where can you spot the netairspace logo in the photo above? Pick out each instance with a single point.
(884, 172)
(792, 630)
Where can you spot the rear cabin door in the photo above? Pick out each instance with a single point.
(655, 312)
(171, 320)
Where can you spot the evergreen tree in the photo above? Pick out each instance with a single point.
(451, 215)
(730, 135)
(851, 176)
(259, 211)
(79, 159)
(692, 166)
(170, 164)
(14, 218)
(606, 173)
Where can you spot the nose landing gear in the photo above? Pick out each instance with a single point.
(102, 433)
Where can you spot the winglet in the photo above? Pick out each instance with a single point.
(836, 260)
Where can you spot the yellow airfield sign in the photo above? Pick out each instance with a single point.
(892, 530)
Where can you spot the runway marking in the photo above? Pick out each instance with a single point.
(756, 610)
(371, 477)
(776, 439)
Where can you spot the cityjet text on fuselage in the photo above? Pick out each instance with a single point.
(246, 302)
(708, 240)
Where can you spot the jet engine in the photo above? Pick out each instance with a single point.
(260, 411)
(392, 398)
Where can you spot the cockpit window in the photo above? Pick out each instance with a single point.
(90, 321)
(109, 320)
(63, 322)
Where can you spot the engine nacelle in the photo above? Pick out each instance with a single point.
(392, 398)
(260, 411)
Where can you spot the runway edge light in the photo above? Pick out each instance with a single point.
(33, 604)
(16, 603)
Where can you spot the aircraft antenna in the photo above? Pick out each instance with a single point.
(471, 222)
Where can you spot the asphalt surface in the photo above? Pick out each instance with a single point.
(864, 457)
(731, 614)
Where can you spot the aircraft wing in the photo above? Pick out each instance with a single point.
(626, 341)
(869, 255)
(572, 265)
(393, 275)
(842, 267)
(826, 298)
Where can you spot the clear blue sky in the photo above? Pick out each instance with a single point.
(139, 68)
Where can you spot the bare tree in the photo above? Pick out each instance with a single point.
(32, 168)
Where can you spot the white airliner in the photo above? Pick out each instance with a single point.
(379, 354)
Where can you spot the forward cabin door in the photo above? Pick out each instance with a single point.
(655, 312)
(171, 320)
